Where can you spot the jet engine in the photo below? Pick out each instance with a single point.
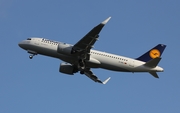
(67, 69)
(64, 48)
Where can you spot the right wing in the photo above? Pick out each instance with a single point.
(95, 78)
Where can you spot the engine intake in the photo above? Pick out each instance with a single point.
(66, 68)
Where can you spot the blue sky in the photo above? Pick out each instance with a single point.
(36, 86)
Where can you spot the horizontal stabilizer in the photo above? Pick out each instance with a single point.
(154, 74)
(153, 63)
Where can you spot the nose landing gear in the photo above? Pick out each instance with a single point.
(31, 56)
(33, 53)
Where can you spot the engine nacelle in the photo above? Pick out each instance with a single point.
(64, 48)
(66, 68)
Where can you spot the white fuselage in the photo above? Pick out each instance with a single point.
(98, 59)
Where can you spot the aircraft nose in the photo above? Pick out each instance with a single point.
(20, 44)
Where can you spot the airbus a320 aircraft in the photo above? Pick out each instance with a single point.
(81, 58)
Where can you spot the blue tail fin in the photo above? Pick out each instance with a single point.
(153, 53)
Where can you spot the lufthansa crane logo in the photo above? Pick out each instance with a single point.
(154, 53)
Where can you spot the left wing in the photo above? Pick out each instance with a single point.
(84, 45)
(95, 78)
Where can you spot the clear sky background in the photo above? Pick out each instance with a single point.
(36, 86)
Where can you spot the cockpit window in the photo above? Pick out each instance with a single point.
(29, 39)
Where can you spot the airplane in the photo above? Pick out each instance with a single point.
(80, 57)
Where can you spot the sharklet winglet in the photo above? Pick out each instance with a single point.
(105, 21)
(106, 80)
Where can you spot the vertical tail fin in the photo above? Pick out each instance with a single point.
(152, 53)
